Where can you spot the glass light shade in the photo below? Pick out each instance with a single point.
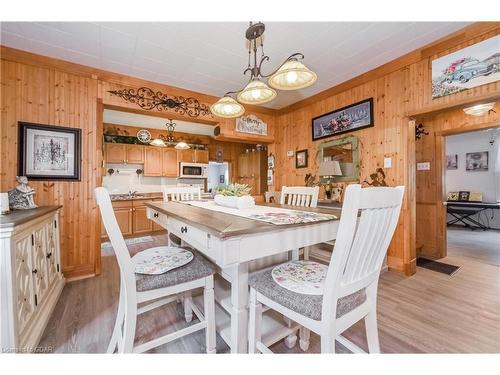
(293, 75)
(158, 142)
(182, 146)
(227, 107)
(480, 109)
(256, 92)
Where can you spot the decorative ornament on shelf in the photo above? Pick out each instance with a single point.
(420, 131)
(21, 197)
(148, 99)
(292, 74)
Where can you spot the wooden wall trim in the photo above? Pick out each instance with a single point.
(461, 36)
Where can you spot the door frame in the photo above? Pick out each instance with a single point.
(442, 242)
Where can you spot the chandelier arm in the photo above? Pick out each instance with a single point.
(297, 55)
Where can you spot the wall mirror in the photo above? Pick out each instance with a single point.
(338, 160)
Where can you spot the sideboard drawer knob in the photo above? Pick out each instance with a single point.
(184, 229)
(155, 214)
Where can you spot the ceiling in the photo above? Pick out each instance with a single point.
(154, 122)
(210, 57)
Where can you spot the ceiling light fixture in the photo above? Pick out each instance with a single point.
(480, 109)
(290, 75)
(163, 141)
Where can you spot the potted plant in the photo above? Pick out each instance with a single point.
(235, 196)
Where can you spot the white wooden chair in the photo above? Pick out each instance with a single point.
(180, 193)
(350, 291)
(302, 196)
(137, 289)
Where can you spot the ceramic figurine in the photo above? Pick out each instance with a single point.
(21, 198)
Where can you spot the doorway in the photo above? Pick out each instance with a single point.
(471, 185)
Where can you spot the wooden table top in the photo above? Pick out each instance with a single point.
(223, 225)
(18, 217)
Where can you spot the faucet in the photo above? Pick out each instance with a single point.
(132, 194)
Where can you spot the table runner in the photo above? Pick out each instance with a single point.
(273, 215)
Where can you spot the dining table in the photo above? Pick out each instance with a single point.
(235, 240)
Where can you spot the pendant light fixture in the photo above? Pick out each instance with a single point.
(163, 141)
(290, 75)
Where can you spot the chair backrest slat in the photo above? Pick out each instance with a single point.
(181, 193)
(301, 196)
(367, 225)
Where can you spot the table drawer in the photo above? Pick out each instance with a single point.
(193, 236)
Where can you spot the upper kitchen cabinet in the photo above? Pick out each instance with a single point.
(135, 154)
(169, 163)
(153, 158)
(201, 156)
(120, 153)
(186, 156)
(193, 156)
(115, 153)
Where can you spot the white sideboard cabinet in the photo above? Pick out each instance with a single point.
(30, 276)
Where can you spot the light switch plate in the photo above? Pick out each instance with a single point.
(289, 153)
(424, 166)
(387, 162)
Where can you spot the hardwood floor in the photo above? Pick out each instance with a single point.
(483, 246)
(427, 313)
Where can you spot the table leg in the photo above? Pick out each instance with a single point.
(239, 310)
(291, 339)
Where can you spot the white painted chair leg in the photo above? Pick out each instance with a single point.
(129, 329)
(304, 338)
(327, 344)
(254, 322)
(209, 309)
(117, 330)
(372, 332)
(291, 340)
(188, 311)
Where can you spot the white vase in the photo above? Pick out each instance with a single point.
(240, 203)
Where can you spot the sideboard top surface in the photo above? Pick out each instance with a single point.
(18, 217)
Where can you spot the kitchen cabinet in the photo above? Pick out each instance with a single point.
(201, 156)
(193, 156)
(121, 153)
(186, 156)
(140, 223)
(131, 217)
(134, 154)
(153, 157)
(115, 153)
(170, 166)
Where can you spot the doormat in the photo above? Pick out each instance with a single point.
(128, 241)
(432, 265)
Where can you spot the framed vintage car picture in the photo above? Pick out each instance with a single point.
(49, 152)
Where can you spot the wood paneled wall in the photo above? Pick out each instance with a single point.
(398, 88)
(39, 89)
(48, 96)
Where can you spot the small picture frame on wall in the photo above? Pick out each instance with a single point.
(49, 152)
(452, 161)
(301, 157)
(476, 161)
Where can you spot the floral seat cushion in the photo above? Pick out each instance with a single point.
(301, 276)
(161, 259)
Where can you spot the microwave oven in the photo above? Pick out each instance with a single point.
(193, 170)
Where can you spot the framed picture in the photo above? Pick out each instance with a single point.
(301, 159)
(463, 196)
(476, 161)
(469, 67)
(347, 119)
(452, 161)
(49, 152)
(270, 161)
